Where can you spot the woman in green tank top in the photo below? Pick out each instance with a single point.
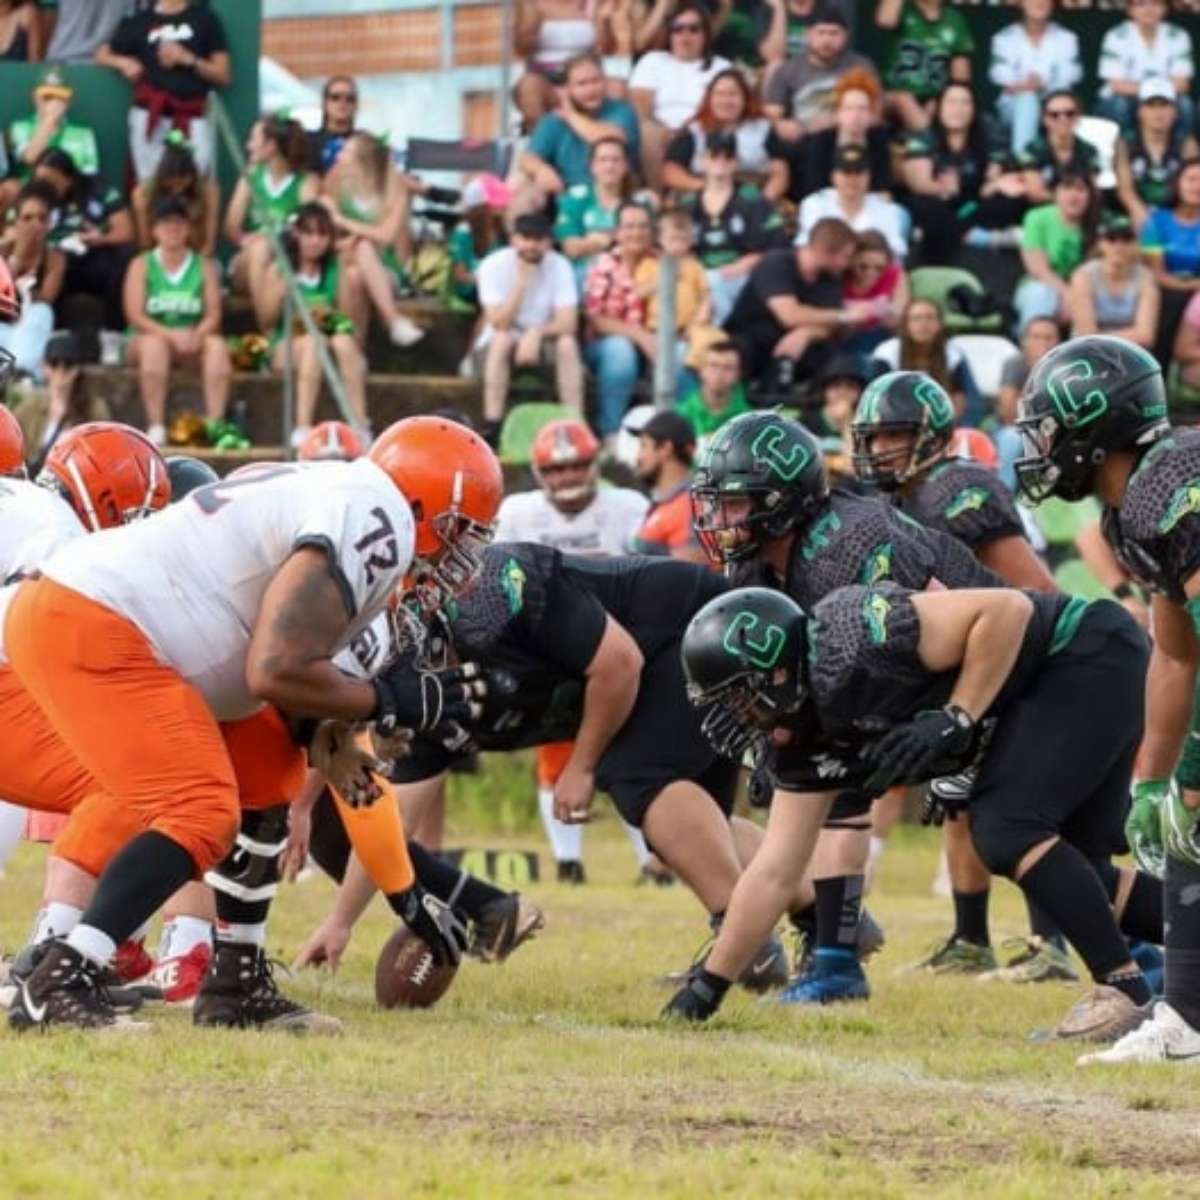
(173, 306)
(277, 153)
(323, 284)
(369, 202)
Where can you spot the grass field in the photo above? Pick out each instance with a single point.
(550, 1076)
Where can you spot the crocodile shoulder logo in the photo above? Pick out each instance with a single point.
(875, 610)
(512, 580)
(970, 499)
(1185, 500)
(878, 566)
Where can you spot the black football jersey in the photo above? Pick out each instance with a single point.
(966, 501)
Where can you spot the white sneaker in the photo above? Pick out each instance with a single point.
(300, 436)
(404, 332)
(157, 434)
(1166, 1037)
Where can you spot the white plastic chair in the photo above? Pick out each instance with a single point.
(986, 354)
(1103, 134)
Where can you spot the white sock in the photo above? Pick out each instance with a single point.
(92, 943)
(253, 935)
(640, 849)
(55, 920)
(181, 934)
(12, 829)
(565, 840)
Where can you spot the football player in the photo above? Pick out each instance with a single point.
(905, 686)
(902, 430)
(1093, 419)
(210, 612)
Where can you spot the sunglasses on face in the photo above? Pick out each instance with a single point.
(1061, 114)
(687, 27)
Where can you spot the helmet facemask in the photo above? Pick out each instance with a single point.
(572, 497)
(457, 563)
(1055, 461)
(728, 537)
(745, 709)
(890, 470)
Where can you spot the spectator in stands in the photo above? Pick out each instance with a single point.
(339, 111)
(1171, 244)
(877, 278)
(64, 401)
(93, 226)
(174, 55)
(667, 86)
(173, 306)
(1059, 149)
(1038, 338)
(1148, 159)
(1144, 47)
(83, 26)
(481, 231)
(531, 306)
(730, 106)
(788, 23)
(312, 252)
(842, 384)
(850, 201)
(1031, 57)
(733, 226)
(924, 345)
(666, 448)
(587, 212)
(1054, 241)
(930, 45)
(621, 341)
(547, 34)
(279, 182)
(1187, 344)
(800, 92)
(38, 269)
(791, 312)
(1115, 292)
(720, 395)
(857, 121)
(20, 31)
(693, 304)
(955, 184)
(651, 21)
(178, 175)
(370, 205)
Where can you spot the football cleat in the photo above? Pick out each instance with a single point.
(132, 961)
(503, 925)
(834, 976)
(570, 870)
(65, 988)
(1105, 1014)
(239, 992)
(870, 940)
(1165, 1038)
(177, 980)
(954, 956)
(657, 876)
(767, 970)
(1037, 961)
(21, 966)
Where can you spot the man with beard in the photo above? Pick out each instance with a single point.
(666, 445)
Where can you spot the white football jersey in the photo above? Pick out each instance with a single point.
(192, 578)
(369, 650)
(606, 527)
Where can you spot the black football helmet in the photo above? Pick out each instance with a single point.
(772, 462)
(901, 402)
(1087, 397)
(186, 474)
(743, 655)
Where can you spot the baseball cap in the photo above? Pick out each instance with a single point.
(829, 14)
(171, 206)
(668, 426)
(851, 158)
(1157, 89)
(844, 366)
(722, 143)
(53, 83)
(532, 225)
(63, 346)
(1115, 225)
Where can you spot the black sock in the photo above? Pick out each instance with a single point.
(137, 883)
(1041, 926)
(443, 879)
(1133, 983)
(1143, 915)
(1067, 887)
(240, 912)
(838, 905)
(971, 917)
(1182, 988)
(804, 921)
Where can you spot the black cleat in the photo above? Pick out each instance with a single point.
(65, 988)
(767, 970)
(123, 999)
(570, 870)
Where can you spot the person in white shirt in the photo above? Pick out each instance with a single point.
(531, 308)
(1144, 46)
(850, 201)
(1031, 57)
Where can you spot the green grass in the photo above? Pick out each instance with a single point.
(550, 1076)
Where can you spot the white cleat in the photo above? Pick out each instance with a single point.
(1165, 1038)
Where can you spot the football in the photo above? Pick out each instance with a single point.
(406, 975)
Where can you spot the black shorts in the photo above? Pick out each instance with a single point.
(1062, 756)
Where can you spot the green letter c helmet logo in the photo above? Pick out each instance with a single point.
(936, 403)
(785, 455)
(1076, 402)
(743, 639)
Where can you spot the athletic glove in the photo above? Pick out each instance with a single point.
(434, 922)
(334, 752)
(1180, 835)
(947, 797)
(700, 999)
(1144, 825)
(907, 753)
(422, 700)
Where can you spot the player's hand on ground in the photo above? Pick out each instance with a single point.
(1144, 825)
(422, 700)
(435, 923)
(573, 794)
(1181, 825)
(346, 766)
(325, 947)
(908, 752)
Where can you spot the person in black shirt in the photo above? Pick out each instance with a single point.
(339, 108)
(173, 54)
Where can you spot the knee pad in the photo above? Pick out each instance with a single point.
(849, 810)
(1001, 842)
(250, 872)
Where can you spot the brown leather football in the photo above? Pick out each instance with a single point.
(406, 975)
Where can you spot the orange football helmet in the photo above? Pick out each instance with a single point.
(10, 312)
(452, 480)
(566, 463)
(331, 441)
(12, 445)
(110, 474)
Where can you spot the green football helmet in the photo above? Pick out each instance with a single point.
(1084, 399)
(766, 467)
(901, 402)
(186, 474)
(743, 658)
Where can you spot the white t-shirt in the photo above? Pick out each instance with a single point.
(877, 212)
(553, 287)
(1124, 54)
(606, 527)
(192, 578)
(678, 86)
(1055, 59)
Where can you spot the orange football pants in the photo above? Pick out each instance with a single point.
(143, 734)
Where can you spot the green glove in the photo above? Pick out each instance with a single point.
(1144, 827)
(1180, 828)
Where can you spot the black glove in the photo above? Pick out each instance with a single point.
(947, 797)
(434, 922)
(907, 753)
(700, 999)
(422, 700)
